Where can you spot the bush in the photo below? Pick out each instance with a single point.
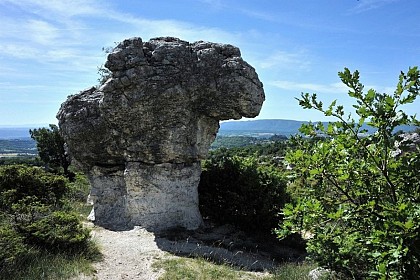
(12, 247)
(57, 231)
(78, 189)
(51, 149)
(18, 182)
(242, 192)
(33, 201)
(356, 194)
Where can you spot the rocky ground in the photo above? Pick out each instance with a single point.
(126, 254)
(130, 254)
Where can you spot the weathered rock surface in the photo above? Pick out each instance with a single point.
(406, 142)
(140, 136)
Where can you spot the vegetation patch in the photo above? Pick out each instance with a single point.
(293, 271)
(358, 194)
(186, 268)
(243, 141)
(199, 268)
(24, 146)
(40, 235)
(51, 266)
(242, 191)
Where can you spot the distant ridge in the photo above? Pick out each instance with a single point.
(273, 126)
(249, 128)
(259, 127)
(14, 132)
(18, 131)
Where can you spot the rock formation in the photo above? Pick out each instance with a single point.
(406, 143)
(140, 135)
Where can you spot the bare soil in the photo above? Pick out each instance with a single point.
(130, 254)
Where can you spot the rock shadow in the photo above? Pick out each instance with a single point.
(227, 244)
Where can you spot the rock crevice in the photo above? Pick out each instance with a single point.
(141, 134)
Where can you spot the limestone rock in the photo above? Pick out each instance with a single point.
(140, 135)
(406, 142)
(320, 273)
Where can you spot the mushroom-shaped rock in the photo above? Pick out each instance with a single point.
(141, 134)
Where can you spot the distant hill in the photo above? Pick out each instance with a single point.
(267, 128)
(14, 132)
(277, 126)
(15, 147)
(255, 128)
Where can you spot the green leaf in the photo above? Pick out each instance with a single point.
(390, 101)
(370, 96)
(352, 93)
(355, 196)
(408, 99)
(409, 225)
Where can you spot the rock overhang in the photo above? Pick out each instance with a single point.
(161, 104)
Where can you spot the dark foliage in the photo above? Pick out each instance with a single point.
(51, 149)
(24, 146)
(26, 160)
(59, 231)
(241, 191)
(33, 216)
(17, 182)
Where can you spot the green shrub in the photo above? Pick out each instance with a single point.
(19, 181)
(355, 193)
(33, 203)
(78, 189)
(59, 231)
(40, 238)
(12, 247)
(242, 192)
(51, 149)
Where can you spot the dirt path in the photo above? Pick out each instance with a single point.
(130, 254)
(126, 255)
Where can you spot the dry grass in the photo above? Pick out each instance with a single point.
(53, 266)
(201, 269)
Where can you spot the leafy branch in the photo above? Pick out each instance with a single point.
(357, 198)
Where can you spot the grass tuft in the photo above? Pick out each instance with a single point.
(48, 266)
(199, 268)
(293, 271)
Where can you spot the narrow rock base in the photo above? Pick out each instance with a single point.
(155, 197)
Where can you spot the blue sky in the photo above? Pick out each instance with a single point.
(50, 49)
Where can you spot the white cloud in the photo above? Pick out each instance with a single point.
(42, 32)
(261, 15)
(17, 50)
(217, 4)
(149, 28)
(283, 59)
(367, 5)
(58, 8)
(52, 41)
(65, 37)
(325, 88)
(53, 55)
(62, 25)
(309, 87)
(68, 16)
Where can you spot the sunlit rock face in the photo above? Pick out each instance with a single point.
(407, 142)
(140, 135)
